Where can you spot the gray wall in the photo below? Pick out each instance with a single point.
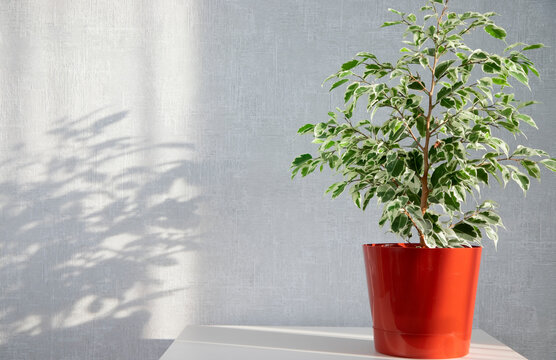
(144, 184)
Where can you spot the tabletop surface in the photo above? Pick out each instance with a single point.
(301, 343)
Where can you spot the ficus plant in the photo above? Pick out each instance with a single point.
(444, 110)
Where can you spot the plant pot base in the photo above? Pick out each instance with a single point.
(421, 346)
(422, 299)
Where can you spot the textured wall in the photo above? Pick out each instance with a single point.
(144, 184)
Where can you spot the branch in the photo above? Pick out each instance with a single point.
(356, 129)
(421, 235)
(425, 90)
(503, 159)
(464, 218)
(472, 25)
(404, 122)
(409, 130)
(470, 108)
(472, 63)
(362, 79)
(428, 65)
(433, 131)
(426, 165)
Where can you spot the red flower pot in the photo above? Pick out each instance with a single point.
(422, 299)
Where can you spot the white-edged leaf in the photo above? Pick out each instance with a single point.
(495, 31)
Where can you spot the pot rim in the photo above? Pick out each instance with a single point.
(413, 246)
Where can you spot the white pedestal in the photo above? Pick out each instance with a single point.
(301, 343)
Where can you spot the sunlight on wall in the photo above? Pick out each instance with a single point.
(100, 187)
(172, 61)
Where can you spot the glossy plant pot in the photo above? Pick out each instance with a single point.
(422, 300)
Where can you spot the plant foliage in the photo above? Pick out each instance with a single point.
(437, 144)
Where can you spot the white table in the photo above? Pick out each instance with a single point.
(301, 343)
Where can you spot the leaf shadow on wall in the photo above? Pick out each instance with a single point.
(83, 230)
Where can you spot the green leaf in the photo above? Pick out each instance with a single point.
(390, 23)
(520, 76)
(489, 68)
(533, 70)
(349, 91)
(478, 55)
(442, 68)
(336, 188)
(366, 54)
(339, 189)
(396, 11)
(301, 159)
(534, 46)
(421, 124)
(522, 180)
(348, 156)
(532, 168)
(492, 235)
(350, 64)
(510, 126)
(415, 162)
(356, 197)
(385, 193)
(451, 202)
(424, 62)
(505, 174)
(443, 92)
(338, 83)
(306, 128)
(514, 45)
(396, 167)
(550, 164)
(416, 85)
(501, 144)
(329, 144)
(500, 81)
(527, 119)
(527, 103)
(417, 217)
(495, 31)
(527, 151)
(490, 204)
(328, 78)
(489, 217)
(476, 221)
(320, 129)
(399, 223)
(438, 173)
(482, 175)
(466, 232)
(392, 208)
(368, 196)
(440, 237)
(345, 73)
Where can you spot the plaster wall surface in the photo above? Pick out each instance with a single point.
(144, 184)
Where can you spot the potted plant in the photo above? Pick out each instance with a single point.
(434, 142)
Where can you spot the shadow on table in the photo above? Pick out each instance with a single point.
(322, 342)
(355, 342)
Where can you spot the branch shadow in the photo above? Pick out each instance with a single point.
(83, 227)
